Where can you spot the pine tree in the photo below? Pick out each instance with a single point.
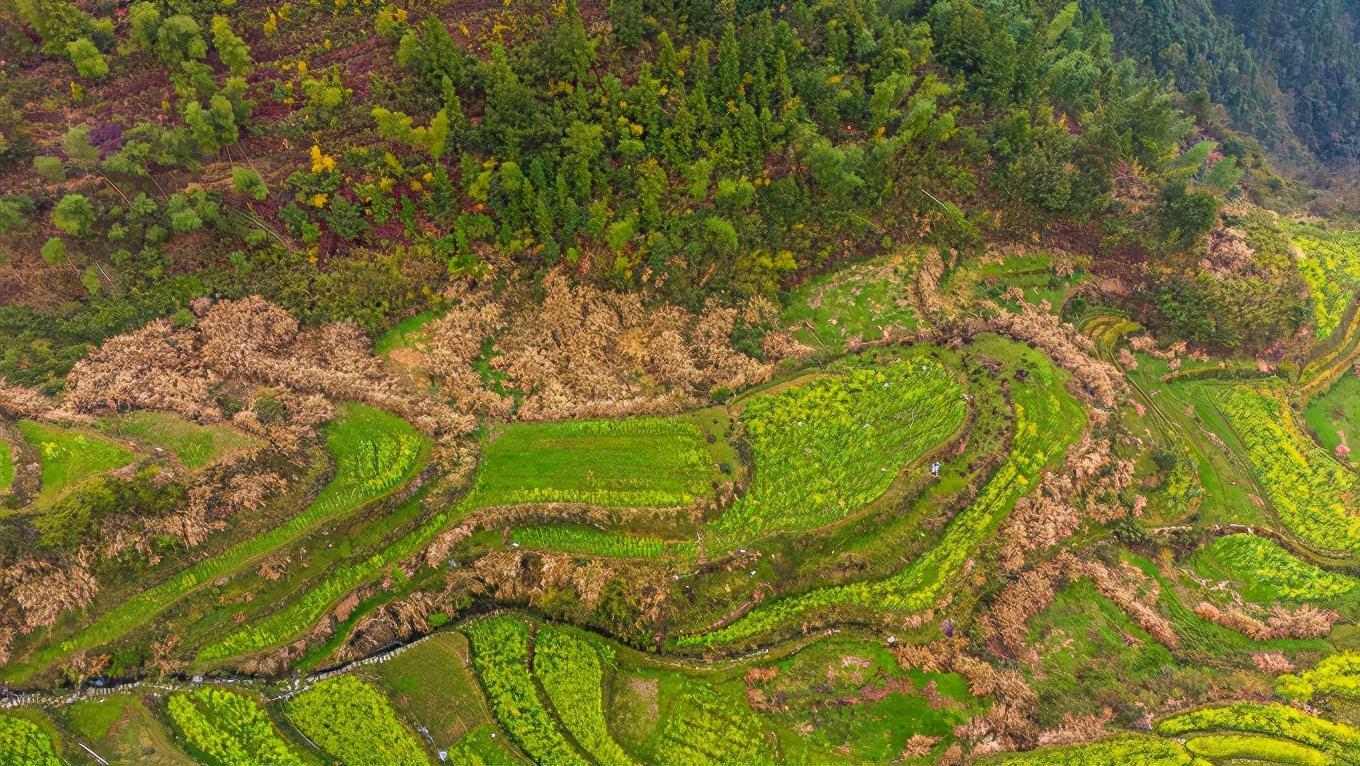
(667, 61)
(728, 81)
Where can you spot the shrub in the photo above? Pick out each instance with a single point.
(50, 168)
(54, 251)
(78, 148)
(233, 50)
(248, 182)
(74, 215)
(13, 215)
(89, 62)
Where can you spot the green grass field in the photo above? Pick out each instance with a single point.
(575, 538)
(1334, 417)
(69, 456)
(193, 444)
(611, 463)
(6, 466)
(431, 685)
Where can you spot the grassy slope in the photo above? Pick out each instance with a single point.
(69, 456)
(1334, 417)
(351, 440)
(122, 730)
(859, 301)
(193, 444)
(6, 466)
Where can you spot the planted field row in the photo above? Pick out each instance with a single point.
(1047, 421)
(500, 650)
(350, 441)
(1312, 493)
(303, 613)
(643, 462)
(1337, 675)
(229, 729)
(569, 669)
(1259, 560)
(1339, 741)
(828, 448)
(24, 744)
(1142, 750)
(705, 727)
(354, 723)
(1251, 747)
(595, 542)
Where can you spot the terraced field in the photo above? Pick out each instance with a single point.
(373, 451)
(69, 456)
(648, 462)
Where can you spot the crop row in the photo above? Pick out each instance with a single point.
(500, 651)
(611, 498)
(828, 448)
(595, 542)
(344, 493)
(705, 727)
(1335, 739)
(1233, 747)
(1142, 750)
(354, 723)
(24, 744)
(229, 729)
(1308, 489)
(1337, 675)
(303, 613)
(1047, 420)
(1267, 563)
(569, 669)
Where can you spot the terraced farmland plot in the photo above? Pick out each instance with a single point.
(1118, 751)
(1314, 496)
(595, 542)
(1329, 262)
(1337, 740)
(1047, 421)
(1270, 570)
(374, 452)
(828, 448)
(69, 456)
(500, 650)
(642, 462)
(569, 669)
(229, 729)
(311, 605)
(354, 722)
